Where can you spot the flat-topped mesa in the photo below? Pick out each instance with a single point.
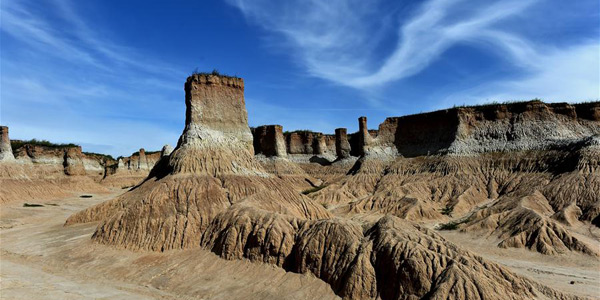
(342, 146)
(216, 138)
(522, 126)
(269, 141)
(6, 154)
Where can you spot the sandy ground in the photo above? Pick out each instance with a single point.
(572, 273)
(42, 259)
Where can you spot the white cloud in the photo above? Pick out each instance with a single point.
(335, 41)
(554, 75)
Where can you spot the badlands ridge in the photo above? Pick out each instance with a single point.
(364, 212)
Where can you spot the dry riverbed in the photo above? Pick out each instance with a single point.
(42, 259)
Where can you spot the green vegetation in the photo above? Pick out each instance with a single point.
(299, 131)
(447, 211)
(448, 226)
(32, 205)
(105, 157)
(137, 153)
(16, 144)
(314, 189)
(453, 225)
(214, 72)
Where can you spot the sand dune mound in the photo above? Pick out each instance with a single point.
(211, 169)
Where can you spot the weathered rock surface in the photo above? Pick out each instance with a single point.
(131, 170)
(485, 193)
(390, 259)
(342, 146)
(522, 126)
(166, 150)
(211, 169)
(212, 192)
(309, 143)
(269, 140)
(6, 154)
(73, 161)
(68, 157)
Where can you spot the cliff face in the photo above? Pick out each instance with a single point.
(45, 173)
(310, 143)
(140, 161)
(73, 161)
(211, 192)
(269, 140)
(342, 146)
(508, 127)
(69, 158)
(131, 170)
(216, 131)
(211, 170)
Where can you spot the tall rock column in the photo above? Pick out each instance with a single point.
(342, 146)
(6, 153)
(216, 138)
(142, 163)
(364, 138)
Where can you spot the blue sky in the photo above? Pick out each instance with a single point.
(109, 74)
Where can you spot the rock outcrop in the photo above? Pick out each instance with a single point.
(342, 146)
(40, 172)
(68, 157)
(364, 138)
(269, 141)
(211, 170)
(388, 259)
(212, 192)
(520, 197)
(131, 170)
(522, 126)
(6, 154)
(309, 143)
(73, 161)
(166, 150)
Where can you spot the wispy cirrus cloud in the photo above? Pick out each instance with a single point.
(336, 40)
(556, 75)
